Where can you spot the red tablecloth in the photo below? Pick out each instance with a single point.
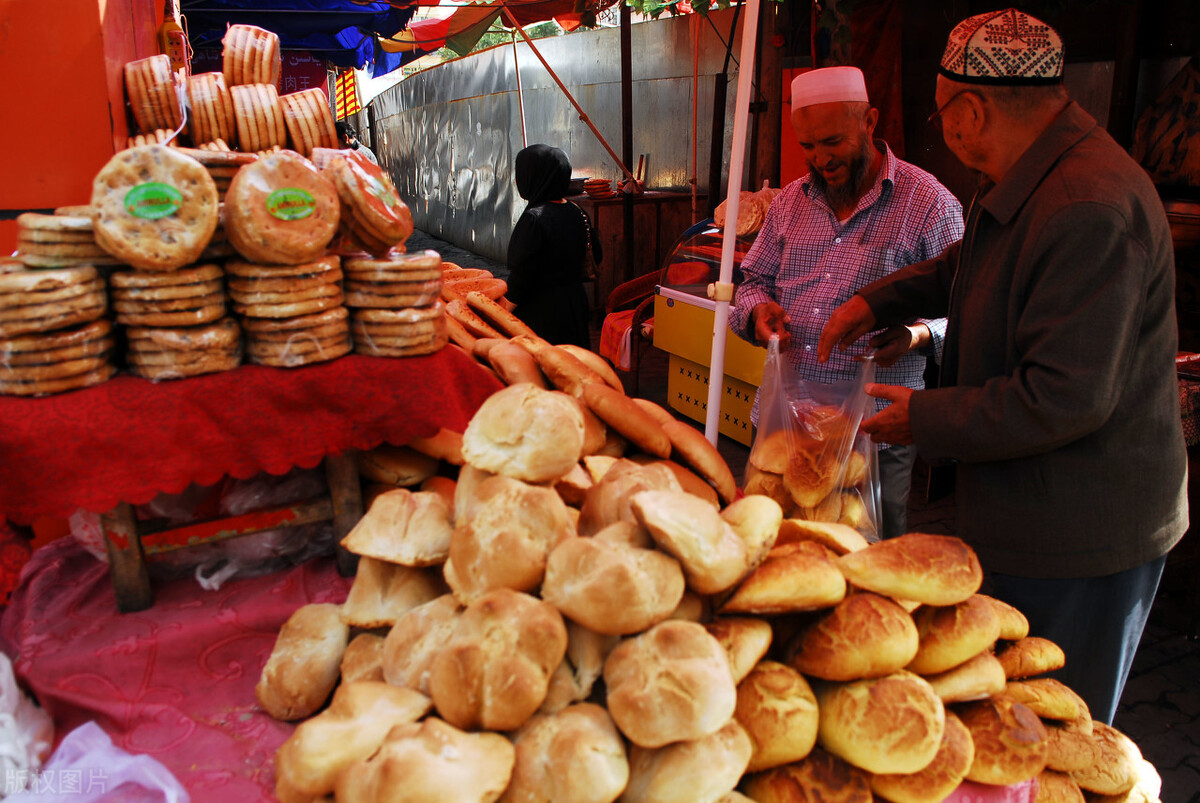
(175, 681)
(129, 439)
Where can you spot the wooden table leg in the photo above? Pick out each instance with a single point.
(346, 491)
(126, 561)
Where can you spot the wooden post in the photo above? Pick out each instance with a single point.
(346, 491)
(126, 561)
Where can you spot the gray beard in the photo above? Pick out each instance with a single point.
(847, 194)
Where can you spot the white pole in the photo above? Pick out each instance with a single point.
(722, 292)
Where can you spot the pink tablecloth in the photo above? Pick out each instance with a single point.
(176, 681)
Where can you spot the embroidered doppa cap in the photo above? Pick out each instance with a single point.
(829, 85)
(1008, 48)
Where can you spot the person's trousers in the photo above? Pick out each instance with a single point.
(1097, 621)
(895, 481)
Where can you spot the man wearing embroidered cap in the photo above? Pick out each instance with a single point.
(1058, 405)
(859, 214)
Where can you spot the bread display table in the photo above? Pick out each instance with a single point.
(123, 442)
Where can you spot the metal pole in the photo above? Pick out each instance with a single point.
(582, 114)
(520, 94)
(722, 291)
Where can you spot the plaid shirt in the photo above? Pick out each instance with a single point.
(809, 262)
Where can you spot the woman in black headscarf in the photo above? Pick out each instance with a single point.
(546, 254)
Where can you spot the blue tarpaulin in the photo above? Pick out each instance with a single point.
(340, 31)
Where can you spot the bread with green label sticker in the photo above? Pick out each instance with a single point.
(155, 208)
(281, 210)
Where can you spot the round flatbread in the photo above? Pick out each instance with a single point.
(178, 370)
(156, 208)
(372, 198)
(147, 279)
(35, 221)
(88, 333)
(282, 211)
(57, 370)
(34, 280)
(254, 325)
(44, 387)
(222, 334)
(302, 281)
(50, 309)
(252, 270)
(427, 264)
(33, 297)
(195, 317)
(289, 310)
(326, 290)
(395, 316)
(293, 359)
(322, 332)
(142, 306)
(50, 236)
(90, 348)
(166, 292)
(435, 343)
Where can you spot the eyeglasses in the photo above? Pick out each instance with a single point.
(936, 118)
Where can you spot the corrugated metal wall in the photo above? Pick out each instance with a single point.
(449, 135)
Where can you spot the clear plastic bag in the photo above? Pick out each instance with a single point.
(808, 453)
(88, 768)
(26, 731)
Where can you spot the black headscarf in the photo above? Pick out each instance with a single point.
(543, 174)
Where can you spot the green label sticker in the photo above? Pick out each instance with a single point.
(291, 203)
(381, 191)
(153, 200)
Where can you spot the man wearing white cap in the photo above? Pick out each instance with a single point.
(1058, 406)
(859, 214)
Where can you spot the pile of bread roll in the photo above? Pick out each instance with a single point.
(569, 602)
(752, 210)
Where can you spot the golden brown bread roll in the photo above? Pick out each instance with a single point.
(1049, 699)
(382, 592)
(1070, 746)
(507, 538)
(525, 432)
(573, 486)
(1031, 656)
(611, 587)
(975, 679)
(1057, 787)
(818, 778)
(1117, 766)
(689, 481)
(712, 554)
(494, 671)
(303, 666)
(864, 636)
(892, 724)
(656, 411)
(794, 577)
(399, 466)
(411, 529)
(953, 634)
(573, 756)
(431, 762)
(514, 364)
(443, 487)
(770, 454)
(777, 708)
(597, 363)
(746, 640)
(756, 520)
(943, 775)
(931, 569)
(841, 538)
(620, 413)
(1010, 741)
(768, 484)
(595, 433)
(363, 659)
(671, 683)
(583, 664)
(351, 729)
(812, 472)
(610, 500)
(445, 444)
(567, 372)
(697, 770)
(696, 451)
(1013, 624)
(414, 641)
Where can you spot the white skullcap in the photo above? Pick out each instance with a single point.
(829, 85)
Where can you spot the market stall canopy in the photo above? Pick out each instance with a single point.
(375, 36)
(343, 32)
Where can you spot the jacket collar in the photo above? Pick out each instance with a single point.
(1005, 199)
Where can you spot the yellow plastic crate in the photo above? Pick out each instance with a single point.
(683, 325)
(687, 393)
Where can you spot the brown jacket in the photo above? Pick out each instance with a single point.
(1059, 402)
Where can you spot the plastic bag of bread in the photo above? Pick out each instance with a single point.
(808, 454)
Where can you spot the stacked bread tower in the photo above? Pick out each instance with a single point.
(567, 602)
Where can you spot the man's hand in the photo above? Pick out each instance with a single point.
(770, 319)
(894, 342)
(848, 323)
(891, 424)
